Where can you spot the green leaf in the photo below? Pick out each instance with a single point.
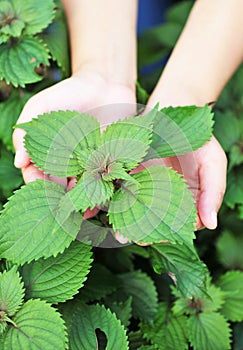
(1, 341)
(164, 35)
(38, 326)
(99, 276)
(174, 130)
(234, 190)
(92, 232)
(3, 39)
(167, 331)
(148, 52)
(134, 249)
(183, 265)
(144, 295)
(90, 318)
(229, 249)
(32, 227)
(123, 310)
(19, 60)
(11, 25)
(240, 211)
(231, 96)
(89, 192)
(11, 295)
(213, 301)
(14, 178)
(123, 259)
(9, 113)
(179, 12)
(68, 310)
(235, 155)
(116, 171)
(209, 331)
(55, 36)
(238, 336)
(58, 279)
(142, 95)
(159, 208)
(35, 19)
(232, 284)
(56, 142)
(136, 340)
(228, 129)
(3, 325)
(127, 141)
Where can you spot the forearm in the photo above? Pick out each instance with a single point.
(206, 55)
(103, 38)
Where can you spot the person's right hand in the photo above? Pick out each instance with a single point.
(82, 92)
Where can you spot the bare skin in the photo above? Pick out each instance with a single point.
(103, 49)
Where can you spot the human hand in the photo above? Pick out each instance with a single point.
(84, 91)
(205, 172)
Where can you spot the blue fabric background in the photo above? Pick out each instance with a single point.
(151, 13)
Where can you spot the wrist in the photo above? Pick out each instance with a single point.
(179, 95)
(103, 38)
(94, 71)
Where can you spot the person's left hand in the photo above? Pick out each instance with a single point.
(205, 172)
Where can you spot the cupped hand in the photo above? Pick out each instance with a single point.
(205, 172)
(83, 92)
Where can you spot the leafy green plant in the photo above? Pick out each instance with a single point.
(65, 282)
(154, 205)
(101, 163)
(23, 49)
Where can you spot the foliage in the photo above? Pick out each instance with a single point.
(57, 292)
(23, 50)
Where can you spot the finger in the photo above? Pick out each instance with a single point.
(31, 173)
(71, 183)
(91, 213)
(212, 188)
(21, 157)
(198, 224)
(121, 239)
(31, 109)
(88, 213)
(61, 181)
(147, 164)
(194, 188)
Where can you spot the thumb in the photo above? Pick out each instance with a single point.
(212, 189)
(21, 157)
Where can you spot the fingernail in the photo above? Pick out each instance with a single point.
(121, 239)
(17, 160)
(213, 220)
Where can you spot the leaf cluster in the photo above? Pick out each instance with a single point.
(28, 40)
(41, 220)
(159, 297)
(150, 206)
